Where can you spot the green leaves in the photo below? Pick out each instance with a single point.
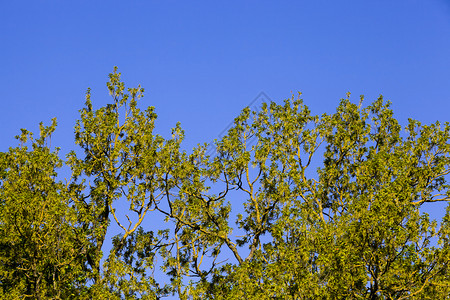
(294, 205)
(38, 247)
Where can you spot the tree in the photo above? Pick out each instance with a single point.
(292, 205)
(38, 250)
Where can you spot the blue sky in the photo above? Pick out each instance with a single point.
(201, 62)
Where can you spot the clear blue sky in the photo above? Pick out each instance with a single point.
(201, 62)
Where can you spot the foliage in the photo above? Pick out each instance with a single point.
(292, 205)
(39, 252)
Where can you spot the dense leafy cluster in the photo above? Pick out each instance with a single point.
(290, 206)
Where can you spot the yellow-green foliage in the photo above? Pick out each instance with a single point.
(290, 206)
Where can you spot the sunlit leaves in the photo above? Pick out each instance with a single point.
(291, 205)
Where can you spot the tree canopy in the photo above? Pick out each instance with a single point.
(290, 205)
